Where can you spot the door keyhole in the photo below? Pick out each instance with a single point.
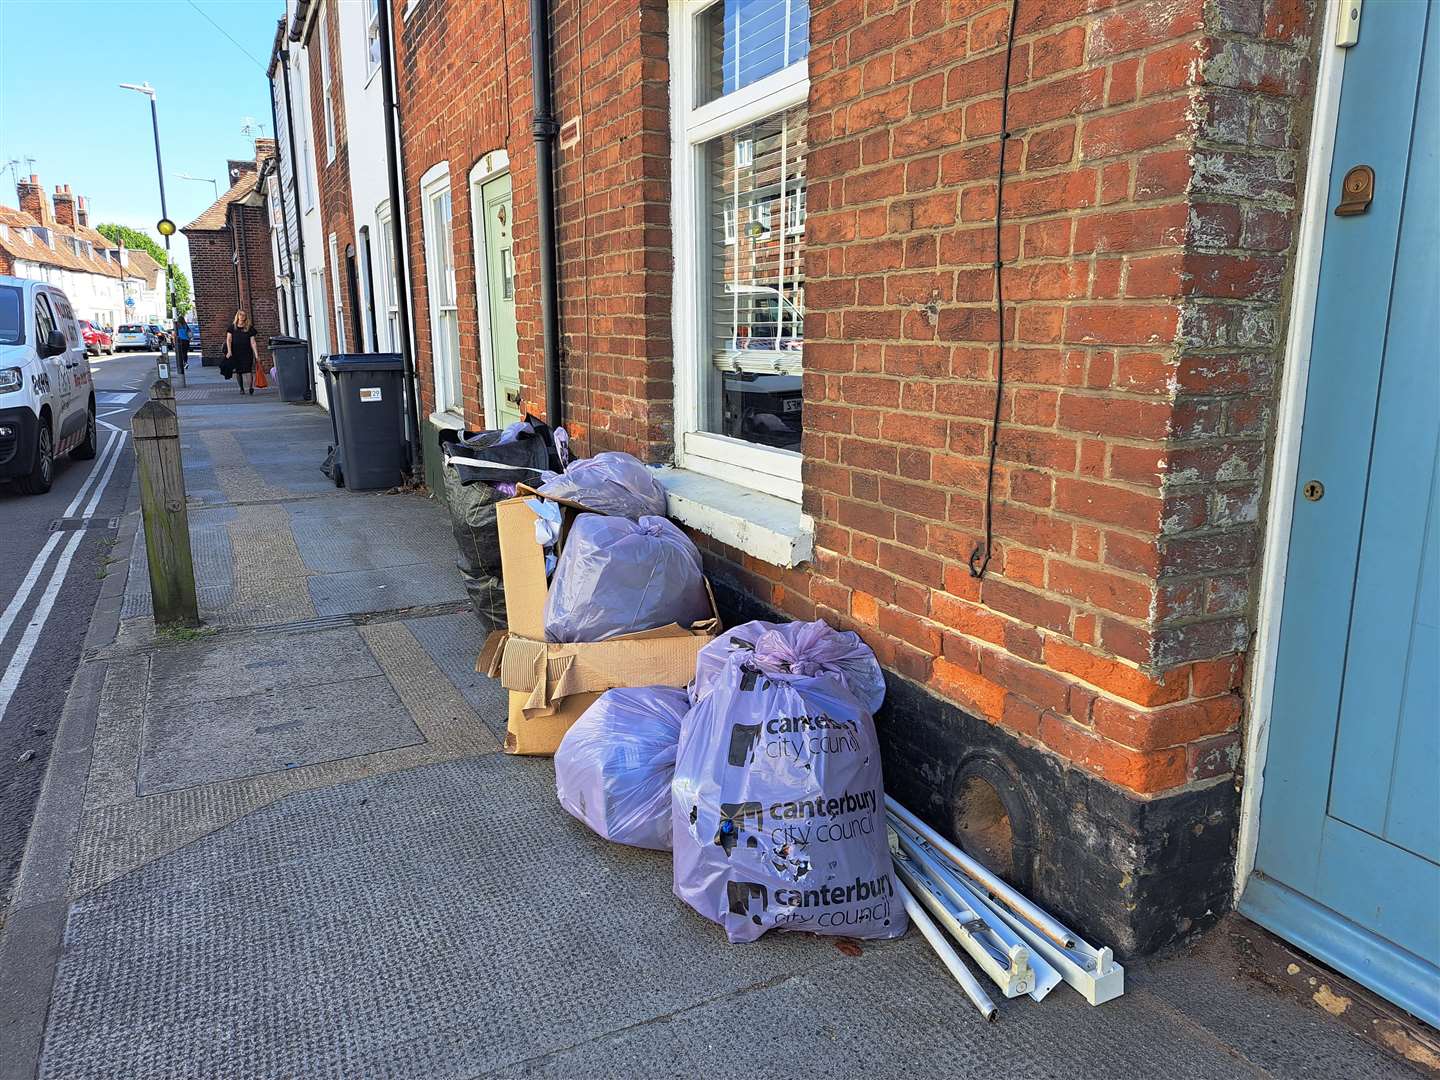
(1313, 490)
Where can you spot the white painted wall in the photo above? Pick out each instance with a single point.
(363, 94)
(95, 297)
(306, 178)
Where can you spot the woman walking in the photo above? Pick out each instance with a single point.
(240, 349)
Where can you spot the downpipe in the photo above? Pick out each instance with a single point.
(545, 129)
(397, 233)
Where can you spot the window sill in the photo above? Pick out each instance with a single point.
(449, 418)
(771, 529)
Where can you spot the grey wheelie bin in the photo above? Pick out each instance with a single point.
(292, 360)
(367, 409)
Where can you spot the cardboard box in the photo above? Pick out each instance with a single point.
(552, 683)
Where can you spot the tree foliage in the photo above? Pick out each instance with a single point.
(139, 241)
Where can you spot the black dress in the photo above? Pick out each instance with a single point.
(242, 349)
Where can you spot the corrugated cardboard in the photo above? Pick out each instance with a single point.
(551, 683)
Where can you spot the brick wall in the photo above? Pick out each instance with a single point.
(215, 288)
(231, 269)
(251, 236)
(1148, 210)
(333, 178)
(611, 78)
(1148, 219)
(1147, 241)
(464, 91)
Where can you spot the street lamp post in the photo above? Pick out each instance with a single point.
(204, 180)
(166, 226)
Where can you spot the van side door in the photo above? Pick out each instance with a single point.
(76, 388)
(51, 380)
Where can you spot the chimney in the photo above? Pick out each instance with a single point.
(264, 148)
(236, 169)
(33, 200)
(64, 206)
(82, 212)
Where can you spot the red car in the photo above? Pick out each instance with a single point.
(96, 339)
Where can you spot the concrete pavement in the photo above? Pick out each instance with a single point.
(288, 846)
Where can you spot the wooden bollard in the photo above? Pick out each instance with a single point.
(156, 430)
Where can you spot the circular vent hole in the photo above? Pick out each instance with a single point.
(983, 826)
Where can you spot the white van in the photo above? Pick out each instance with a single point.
(47, 397)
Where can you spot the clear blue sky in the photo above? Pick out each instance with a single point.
(60, 61)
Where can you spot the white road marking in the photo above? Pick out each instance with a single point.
(22, 594)
(110, 445)
(18, 662)
(103, 424)
(100, 487)
(113, 397)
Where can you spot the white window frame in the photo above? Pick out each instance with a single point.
(763, 468)
(307, 139)
(326, 93)
(449, 392)
(372, 39)
(336, 303)
(317, 315)
(490, 166)
(389, 298)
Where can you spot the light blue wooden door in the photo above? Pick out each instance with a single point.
(1348, 862)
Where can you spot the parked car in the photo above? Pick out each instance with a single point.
(760, 367)
(133, 336)
(47, 398)
(159, 335)
(97, 339)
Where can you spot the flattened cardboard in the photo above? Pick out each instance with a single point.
(551, 684)
(547, 672)
(522, 563)
(540, 736)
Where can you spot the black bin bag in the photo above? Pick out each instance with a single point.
(480, 470)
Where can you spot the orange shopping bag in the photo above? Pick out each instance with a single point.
(259, 381)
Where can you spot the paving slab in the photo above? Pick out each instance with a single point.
(451, 921)
(215, 670)
(203, 742)
(392, 588)
(454, 642)
(399, 530)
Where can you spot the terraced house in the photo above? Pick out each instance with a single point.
(1076, 353)
(50, 238)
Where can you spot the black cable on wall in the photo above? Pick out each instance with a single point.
(980, 557)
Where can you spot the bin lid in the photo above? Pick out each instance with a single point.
(383, 361)
(286, 339)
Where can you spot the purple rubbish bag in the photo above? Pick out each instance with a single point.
(609, 483)
(616, 576)
(778, 807)
(801, 648)
(613, 768)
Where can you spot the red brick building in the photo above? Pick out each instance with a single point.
(981, 328)
(230, 260)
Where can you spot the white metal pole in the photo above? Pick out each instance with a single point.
(943, 949)
(1023, 906)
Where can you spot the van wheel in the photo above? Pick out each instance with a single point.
(42, 474)
(86, 450)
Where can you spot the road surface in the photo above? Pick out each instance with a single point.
(54, 553)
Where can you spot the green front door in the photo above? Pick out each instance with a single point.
(504, 351)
